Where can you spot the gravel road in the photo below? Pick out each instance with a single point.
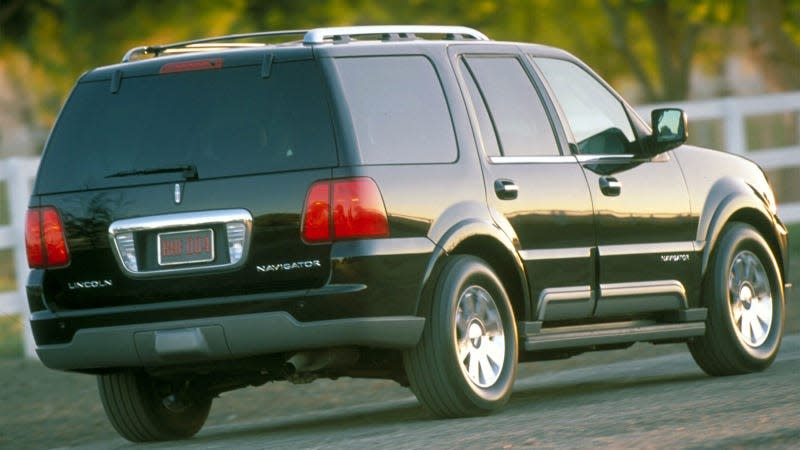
(661, 400)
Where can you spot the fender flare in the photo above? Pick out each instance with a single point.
(460, 233)
(733, 197)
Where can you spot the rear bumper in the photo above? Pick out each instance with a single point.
(223, 338)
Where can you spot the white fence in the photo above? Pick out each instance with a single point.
(733, 112)
(18, 174)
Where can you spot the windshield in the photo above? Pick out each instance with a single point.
(218, 122)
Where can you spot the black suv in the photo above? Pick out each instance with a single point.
(406, 202)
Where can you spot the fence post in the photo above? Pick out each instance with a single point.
(20, 179)
(734, 127)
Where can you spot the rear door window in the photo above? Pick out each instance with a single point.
(224, 122)
(398, 110)
(513, 105)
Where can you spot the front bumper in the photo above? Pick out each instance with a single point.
(222, 338)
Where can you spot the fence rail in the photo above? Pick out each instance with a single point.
(733, 112)
(18, 175)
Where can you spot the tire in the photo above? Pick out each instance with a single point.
(136, 407)
(466, 361)
(743, 292)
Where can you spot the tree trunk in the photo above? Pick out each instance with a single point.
(776, 52)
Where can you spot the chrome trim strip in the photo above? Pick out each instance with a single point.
(643, 249)
(637, 297)
(604, 158)
(642, 288)
(555, 253)
(557, 159)
(195, 218)
(382, 247)
(323, 35)
(574, 298)
(180, 220)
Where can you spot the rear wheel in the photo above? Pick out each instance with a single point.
(142, 409)
(466, 360)
(744, 296)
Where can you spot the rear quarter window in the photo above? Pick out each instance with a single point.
(398, 110)
(225, 122)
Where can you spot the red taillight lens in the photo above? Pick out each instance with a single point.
(33, 238)
(316, 223)
(45, 242)
(354, 206)
(358, 210)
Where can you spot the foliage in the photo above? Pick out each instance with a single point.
(10, 336)
(48, 43)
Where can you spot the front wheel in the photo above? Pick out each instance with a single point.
(143, 409)
(466, 360)
(744, 297)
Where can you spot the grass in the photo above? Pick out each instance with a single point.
(7, 281)
(11, 336)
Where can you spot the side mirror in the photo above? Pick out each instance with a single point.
(669, 129)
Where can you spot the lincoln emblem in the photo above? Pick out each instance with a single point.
(177, 193)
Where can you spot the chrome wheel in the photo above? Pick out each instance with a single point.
(480, 340)
(743, 292)
(465, 363)
(750, 299)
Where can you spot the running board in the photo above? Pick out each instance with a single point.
(535, 338)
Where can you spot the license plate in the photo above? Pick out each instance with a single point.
(185, 247)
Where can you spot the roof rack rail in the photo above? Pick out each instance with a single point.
(192, 45)
(315, 36)
(344, 34)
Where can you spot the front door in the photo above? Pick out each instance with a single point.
(645, 237)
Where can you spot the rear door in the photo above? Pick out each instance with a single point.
(536, 193)
(642, 210)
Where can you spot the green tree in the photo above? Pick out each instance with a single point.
(46, 44)
(775, 40)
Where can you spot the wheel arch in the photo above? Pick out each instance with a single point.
(486, 241)
(747, 207)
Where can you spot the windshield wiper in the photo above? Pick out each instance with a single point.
(188, 171)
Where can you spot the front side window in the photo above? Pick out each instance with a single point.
(597, 118)
(398, 110)
(503, 90)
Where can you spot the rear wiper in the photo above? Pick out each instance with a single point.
(188, 171)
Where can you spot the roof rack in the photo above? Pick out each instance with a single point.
(315, 36)
(390, 32)
(193, 45)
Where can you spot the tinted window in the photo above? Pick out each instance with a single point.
(225, 122)
(488, 136)
(597, 119)
(398, 109)
(519, 118)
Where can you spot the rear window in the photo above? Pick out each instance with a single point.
(398, 110)
(224, 122)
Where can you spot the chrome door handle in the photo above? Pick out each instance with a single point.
(610, 186)
(506, 189)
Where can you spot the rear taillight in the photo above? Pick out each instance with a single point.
(350, 208)
(45, 242)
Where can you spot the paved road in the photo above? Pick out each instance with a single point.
(663, 402)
